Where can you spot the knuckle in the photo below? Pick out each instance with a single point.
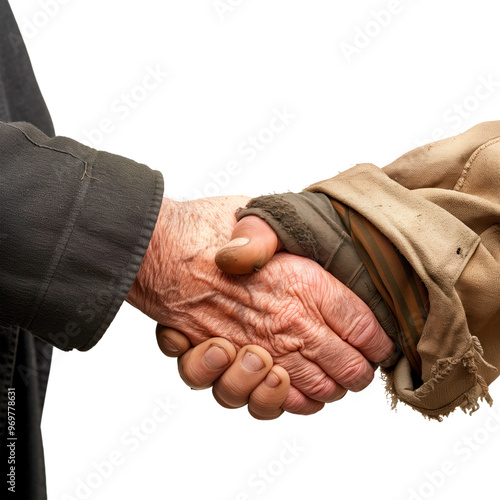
(323, 390)
(300, 406)
(336, 395)
(341, 392)
(355, 375)
(297, 403)
(293, 403)
(362, 330)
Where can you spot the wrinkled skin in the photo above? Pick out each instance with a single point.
(312, 326)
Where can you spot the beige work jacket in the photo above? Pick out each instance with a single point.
(440, 206)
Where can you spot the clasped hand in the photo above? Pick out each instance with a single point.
(313, 328)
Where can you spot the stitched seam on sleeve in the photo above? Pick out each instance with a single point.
(43, 146)
(468, 166)
(65, 237)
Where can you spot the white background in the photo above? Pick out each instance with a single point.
(417, 75)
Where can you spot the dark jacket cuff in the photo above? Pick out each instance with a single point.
(76, 225)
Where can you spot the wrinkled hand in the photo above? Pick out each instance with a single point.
(312, 326)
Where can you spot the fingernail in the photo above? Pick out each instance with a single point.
(272, 380)
(170, 346)
(251, 362)
(216, 357)
(237, 242)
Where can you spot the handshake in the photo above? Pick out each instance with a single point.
(290, 302)
(396, 267)
(320, 336)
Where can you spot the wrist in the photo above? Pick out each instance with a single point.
(156, 261)
(179, 264)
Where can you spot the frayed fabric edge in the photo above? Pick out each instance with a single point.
(469, 401)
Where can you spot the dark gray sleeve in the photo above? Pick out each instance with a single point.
(75, 224)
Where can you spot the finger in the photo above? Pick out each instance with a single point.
(233, 388)
(296, 402)
(266, 399)
(307, 377)
(252, 245)
(205, 363)
(171, 342)
(347, 315)
(342, 362)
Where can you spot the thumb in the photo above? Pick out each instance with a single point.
(252, 245)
